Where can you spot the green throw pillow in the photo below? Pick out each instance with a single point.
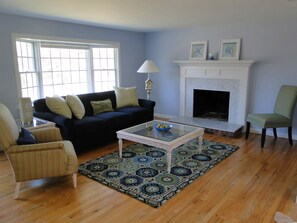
(102, 106)
(126, 96)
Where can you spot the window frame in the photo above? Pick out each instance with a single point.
(64, 42)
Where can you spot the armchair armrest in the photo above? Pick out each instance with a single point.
(37, 161)
(43, 135)
(35, 147)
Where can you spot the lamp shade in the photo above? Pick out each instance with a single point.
(148, 67)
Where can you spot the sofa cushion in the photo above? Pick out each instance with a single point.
(89, 125)
(59, 106)
(139, 114)
(115, 120)
(76, 106)
(101, 106)
(126, 96)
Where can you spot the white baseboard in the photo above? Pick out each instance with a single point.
(163, 116)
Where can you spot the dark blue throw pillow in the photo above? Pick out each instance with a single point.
(26, 137)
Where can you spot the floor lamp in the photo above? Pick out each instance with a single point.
(148, 67)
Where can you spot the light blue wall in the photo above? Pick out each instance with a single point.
(273, 45)
(132, 50)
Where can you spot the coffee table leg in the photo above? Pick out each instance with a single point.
(120, 147)
(200, 142)
(169, 161)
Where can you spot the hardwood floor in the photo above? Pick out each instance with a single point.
(249, 186)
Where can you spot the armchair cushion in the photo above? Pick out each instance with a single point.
(26, 137)
(269, 120)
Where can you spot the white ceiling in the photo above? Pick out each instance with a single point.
(153, 15)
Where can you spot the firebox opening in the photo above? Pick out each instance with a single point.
(211, 104)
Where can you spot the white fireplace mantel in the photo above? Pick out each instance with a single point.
(231, 75)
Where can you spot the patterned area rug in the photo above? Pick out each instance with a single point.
(142, 171)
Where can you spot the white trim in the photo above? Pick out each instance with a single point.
(56, 40)
(16, 68)
(63, 39)
(118, 77)
(163, 116)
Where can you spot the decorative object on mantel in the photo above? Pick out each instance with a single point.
(142, 171)
(230, 49)
(148, 67)
(198, 50)
(26, 110)
(211, 56)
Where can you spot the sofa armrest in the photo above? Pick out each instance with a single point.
(146, 103)
(63, 123)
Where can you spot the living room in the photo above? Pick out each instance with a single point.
(269, 40)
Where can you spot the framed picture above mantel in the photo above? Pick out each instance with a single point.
(230, 49)
(198, 50)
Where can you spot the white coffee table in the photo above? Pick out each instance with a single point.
(146, 134)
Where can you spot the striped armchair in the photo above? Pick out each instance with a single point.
(49, 157)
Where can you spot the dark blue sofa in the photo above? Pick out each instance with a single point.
(94, 130)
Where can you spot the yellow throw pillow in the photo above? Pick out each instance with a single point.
(76, 106)
(126, 96)
(59, 106)
(101, 106)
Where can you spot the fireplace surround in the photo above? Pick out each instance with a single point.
(229, 76)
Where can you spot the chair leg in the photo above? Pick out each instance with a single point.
(247, 131)
(290, 135)
(263, 137)
(274, 133)
(74, 180)
(17, 190)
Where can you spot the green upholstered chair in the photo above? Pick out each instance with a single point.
(49, 157)
(282, 116)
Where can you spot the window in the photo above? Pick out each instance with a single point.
(47, 68)
(27, 70)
